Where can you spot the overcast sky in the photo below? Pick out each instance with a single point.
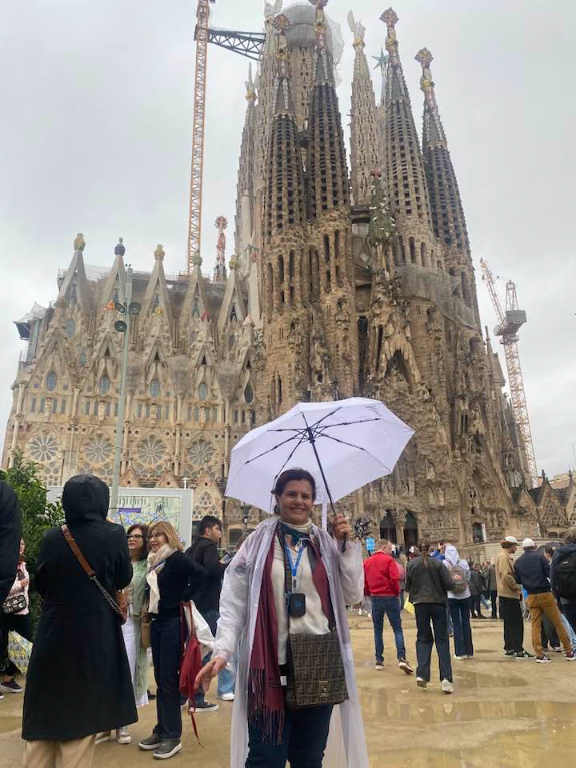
(95, 137)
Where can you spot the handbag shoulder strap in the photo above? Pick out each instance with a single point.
(89, 571)
(76, 550)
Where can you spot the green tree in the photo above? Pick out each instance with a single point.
(38, 515)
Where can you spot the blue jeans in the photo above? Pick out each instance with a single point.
(460, 612)
(437, 614)
(387, 606)
(226, 680)
(165, 634)
(303, 740)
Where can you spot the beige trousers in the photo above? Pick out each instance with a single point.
(77, 753)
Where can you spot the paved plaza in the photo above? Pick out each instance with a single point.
(504, 713)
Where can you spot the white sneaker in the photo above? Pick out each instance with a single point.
(447, 686)
(421, 683)
(104, 736)
(227, 697)
(460, 658)
(123, 736)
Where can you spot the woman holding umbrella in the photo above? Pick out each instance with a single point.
(285, 594)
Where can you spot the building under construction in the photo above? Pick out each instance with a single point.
(349, 275)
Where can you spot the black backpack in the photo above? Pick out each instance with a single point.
(565, 575)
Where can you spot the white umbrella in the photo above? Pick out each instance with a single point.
(344, 444)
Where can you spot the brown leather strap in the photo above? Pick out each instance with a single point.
(76, 550)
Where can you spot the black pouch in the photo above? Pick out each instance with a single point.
(296, 605)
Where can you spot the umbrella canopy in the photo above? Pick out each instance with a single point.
(344, 444)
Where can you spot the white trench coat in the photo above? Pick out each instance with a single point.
(238, 609)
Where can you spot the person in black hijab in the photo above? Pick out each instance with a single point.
(78, 680)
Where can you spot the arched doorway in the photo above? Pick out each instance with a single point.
(477, 533)
(410, 531)
(388, 528)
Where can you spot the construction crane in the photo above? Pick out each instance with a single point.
(509, 323)
(249, 44)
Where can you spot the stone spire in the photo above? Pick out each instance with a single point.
(245, 187)
(285, 201)
(405, 166)
(220, 270)
(327, 169)
(446, 206)
(367, 154)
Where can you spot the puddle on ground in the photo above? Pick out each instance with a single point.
(468, 679)
(431, 709)
(554, 746)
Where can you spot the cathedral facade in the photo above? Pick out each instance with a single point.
(345, 280)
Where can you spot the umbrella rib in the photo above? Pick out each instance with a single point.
(288, 459)
(344, 424)
(279, 445)
(351, 445)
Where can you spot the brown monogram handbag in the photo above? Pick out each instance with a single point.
(315, 667)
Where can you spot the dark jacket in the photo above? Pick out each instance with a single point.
(381, 576)
(206, 594)
(532, 570)
(428, 581)
(475, 582)
(10, 534)
(492, 583)
(174, 580)
(558, 555)
(79, 681)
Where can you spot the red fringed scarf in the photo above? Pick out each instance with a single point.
(265, 692)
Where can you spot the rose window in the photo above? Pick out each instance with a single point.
(98, 449)
(43, 448)
(201, 452)
(151, 450)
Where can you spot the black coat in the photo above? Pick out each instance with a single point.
(10, 533)
(475, 583)
(79, 680)
(206, 592)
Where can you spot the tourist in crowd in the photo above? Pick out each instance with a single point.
(169, 573)
(10, 534)
(10, 530)
(493, 588)
(509, 600)
(382, 585)
(15, 618)
(289, 552)
(459, 603)
(532, 571)
(402, 563)
(548, 634)
(78, 680)
(137, 536)
(475, 585)
(563, 576)
(428, 583)
(206, 597)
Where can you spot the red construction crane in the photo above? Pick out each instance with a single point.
(509, 323)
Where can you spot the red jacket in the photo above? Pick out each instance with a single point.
(382, 576)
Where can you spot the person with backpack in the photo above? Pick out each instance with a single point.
(532, 570)
(563, 576)
(428, 583)
(509, 601)
(459, 603)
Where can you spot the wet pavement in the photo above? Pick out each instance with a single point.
(504, 713)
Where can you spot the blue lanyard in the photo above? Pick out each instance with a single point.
(294, 566)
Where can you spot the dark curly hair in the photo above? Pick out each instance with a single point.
(145, 546)
(293, 474)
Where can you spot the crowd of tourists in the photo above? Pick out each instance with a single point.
(269, 621)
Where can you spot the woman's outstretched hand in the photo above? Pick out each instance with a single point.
(208, 672)
(340, 527)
